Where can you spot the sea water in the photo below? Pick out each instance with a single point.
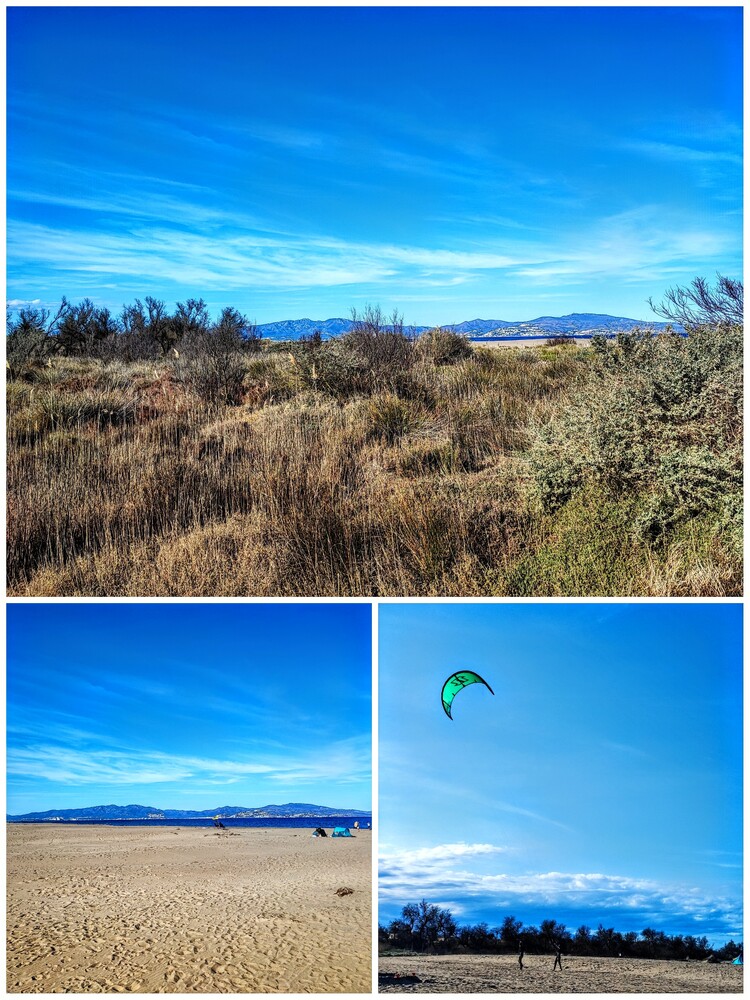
(534, 339)
(304, 822)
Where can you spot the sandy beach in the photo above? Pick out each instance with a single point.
(528, 342)
(500, 974)
(95, 909)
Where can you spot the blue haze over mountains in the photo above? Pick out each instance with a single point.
(114, 812)
(543, 326)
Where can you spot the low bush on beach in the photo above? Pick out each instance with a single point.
(376, 463)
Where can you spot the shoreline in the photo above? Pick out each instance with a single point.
(528, 342)
(173, 909)
(188, 824)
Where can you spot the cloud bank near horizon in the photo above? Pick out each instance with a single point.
(444, 874)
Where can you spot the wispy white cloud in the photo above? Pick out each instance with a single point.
(446, 872)
(72, 766)
(23, 303)
(139, 204)
(681, 153)
(624, 748)
(165, 237)
(346, 761)
(221, 260)
(641, 243)
(440, 856)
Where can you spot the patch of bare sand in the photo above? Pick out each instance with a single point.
(95, 909)
(528, 342)
(500, 974)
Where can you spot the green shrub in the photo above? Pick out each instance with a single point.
(588, 549)
(443, 347)
(658, 416)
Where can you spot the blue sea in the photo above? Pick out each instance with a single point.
(545, 337)
(303, 822)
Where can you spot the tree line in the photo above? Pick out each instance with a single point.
(147, 329)
(142, 330)
(426, 927)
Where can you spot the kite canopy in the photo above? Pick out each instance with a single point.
(457, 682)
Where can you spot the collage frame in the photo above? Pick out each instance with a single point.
(556, 501)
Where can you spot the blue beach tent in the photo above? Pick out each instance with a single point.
(341, 831)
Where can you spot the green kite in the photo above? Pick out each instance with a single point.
(457, 682)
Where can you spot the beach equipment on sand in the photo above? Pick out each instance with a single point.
(319, 832)
(457, 682)
(341, 831)
(738, 960)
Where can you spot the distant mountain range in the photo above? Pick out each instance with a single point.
(150, 812)
(543, 326)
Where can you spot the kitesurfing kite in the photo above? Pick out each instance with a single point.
(457, 682)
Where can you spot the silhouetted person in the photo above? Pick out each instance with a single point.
(520, 955)
(558, 956)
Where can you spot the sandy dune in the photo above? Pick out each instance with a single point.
(95, 909)
(500, 974)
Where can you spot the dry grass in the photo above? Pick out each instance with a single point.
(330, 477)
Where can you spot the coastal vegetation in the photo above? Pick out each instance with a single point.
(425, 927)
(158, 453)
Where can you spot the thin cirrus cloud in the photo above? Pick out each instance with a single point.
(682, 153)
(438, 856)
(628, 245)
(233, 261)
(66, 765)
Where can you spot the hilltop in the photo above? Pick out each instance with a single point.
(115, 812)
(573, 324)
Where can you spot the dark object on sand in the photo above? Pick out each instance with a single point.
(394, 979)
(320, 832)
(344, 891)
(218, 824)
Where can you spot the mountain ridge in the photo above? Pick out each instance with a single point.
(572, 323)
(115, 812)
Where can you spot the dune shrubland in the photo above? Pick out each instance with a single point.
(378, 464)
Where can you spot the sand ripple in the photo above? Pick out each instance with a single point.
(104, 909)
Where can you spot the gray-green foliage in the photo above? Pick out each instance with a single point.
(442, 346)
(654, 416)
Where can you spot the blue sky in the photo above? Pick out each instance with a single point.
(449, 162)
(188, 706)
(601, 783)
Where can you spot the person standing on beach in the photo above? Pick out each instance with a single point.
(558, 955)
(520, 955)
